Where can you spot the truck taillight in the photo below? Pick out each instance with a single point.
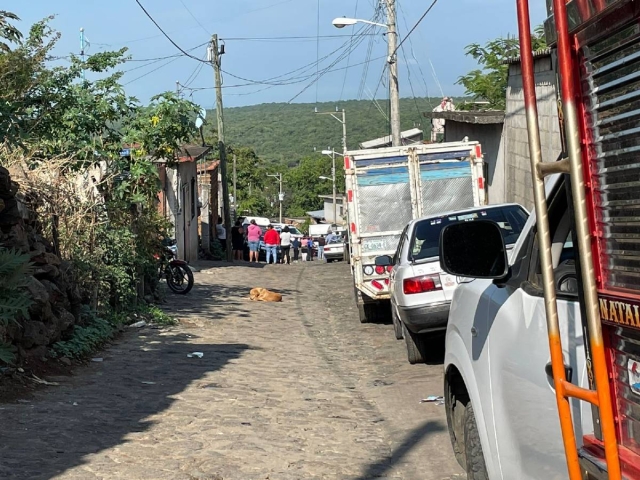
(426, 283)
(377, 285)
(380, 269)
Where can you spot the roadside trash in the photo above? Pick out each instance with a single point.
(97, 359)
(148, 383)
(433, 399)
(75, 404)
(41, 381)
(195, 354)
(139, 324)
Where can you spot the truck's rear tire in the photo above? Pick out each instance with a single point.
(415, 346)
(476, 467)
(370, 311)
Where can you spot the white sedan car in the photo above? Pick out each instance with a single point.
(420, 290)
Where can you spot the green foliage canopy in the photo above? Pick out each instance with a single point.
(489, 83)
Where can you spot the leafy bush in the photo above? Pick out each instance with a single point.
(14, 271)
(85, 340)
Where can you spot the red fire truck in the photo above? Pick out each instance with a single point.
(597, 47)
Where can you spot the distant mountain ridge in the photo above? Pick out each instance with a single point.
(281, 132)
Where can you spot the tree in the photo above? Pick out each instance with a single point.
(8, 32)
(489, 83)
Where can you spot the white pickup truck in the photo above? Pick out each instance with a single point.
(499, 395)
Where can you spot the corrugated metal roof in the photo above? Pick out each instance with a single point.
(382, 141)
(545, 52)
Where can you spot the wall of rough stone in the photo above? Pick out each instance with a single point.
(517, 164)
(56, 298)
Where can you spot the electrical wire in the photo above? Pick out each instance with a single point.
(318, 54)
(167, 36)
(195, 18)
(413, 54)
(150, 72)
(414, 27)
(344, 80)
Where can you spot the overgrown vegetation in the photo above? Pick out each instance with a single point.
(96, 207)
(14, 300)
(489, 82)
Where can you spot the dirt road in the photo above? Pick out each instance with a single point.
(296, 390)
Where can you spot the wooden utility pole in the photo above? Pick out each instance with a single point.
(394, 90)
(222, 149)
(235, 185)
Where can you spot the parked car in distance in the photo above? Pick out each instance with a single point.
(334, 250)
(421, 291)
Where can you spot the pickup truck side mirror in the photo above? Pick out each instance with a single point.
(474, 249)
(384, 261)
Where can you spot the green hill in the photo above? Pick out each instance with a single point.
(281, 132)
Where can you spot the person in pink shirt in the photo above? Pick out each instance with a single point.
(253, 239)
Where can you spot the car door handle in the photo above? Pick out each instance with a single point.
(568, 371)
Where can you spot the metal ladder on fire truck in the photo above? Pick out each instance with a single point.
(572, 165)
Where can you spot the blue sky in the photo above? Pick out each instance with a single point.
(434, 58)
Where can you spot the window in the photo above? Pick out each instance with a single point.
(403, 237)
(562, 249)
(426, 239)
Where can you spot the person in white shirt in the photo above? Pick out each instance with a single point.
(285, 245)
(221, 233)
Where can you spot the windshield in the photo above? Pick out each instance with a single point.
(294, 231)
(426, 238)
(335, 240)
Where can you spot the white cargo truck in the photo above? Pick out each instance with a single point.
(387, 188)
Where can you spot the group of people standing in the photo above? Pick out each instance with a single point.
(272, 240)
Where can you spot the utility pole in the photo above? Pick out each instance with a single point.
(82, 49)
(177, 89)
(215, 59)
(394, 89)
(333, 177)
(281, 193)
(343, 121)
(235, 185)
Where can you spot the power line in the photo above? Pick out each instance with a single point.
(318, 54)
(167, 36)
(344, 80)
(414, 27)
(195, 18)
(151, 71)
(314, 37)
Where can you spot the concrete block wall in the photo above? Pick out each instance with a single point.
(516, 143)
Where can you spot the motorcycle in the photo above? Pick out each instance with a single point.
(177, 272)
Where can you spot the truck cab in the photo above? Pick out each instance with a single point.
(499, 395)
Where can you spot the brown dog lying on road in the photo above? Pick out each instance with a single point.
(264, 295)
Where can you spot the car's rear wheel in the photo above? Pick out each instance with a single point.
(397, 324)
(476, 467)
(415, 345)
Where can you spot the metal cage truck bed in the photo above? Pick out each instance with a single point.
(389, 187)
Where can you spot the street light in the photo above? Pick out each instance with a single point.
(347, 22)
(392, 38)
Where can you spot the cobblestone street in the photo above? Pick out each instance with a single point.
(294, 390)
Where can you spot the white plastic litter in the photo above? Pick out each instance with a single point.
(195, 354)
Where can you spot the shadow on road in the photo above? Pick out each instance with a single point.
(412, 440)
(137, 380)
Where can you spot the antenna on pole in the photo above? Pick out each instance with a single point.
(82, 49)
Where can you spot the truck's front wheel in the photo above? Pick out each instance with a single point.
(476, 467)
